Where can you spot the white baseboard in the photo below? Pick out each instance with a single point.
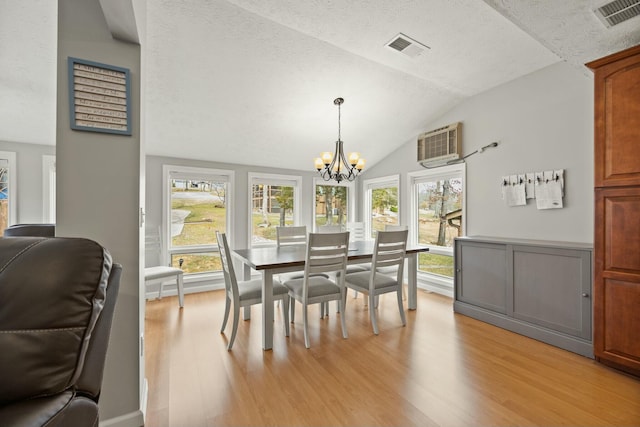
(144, 399)
(436, 285)
(132, 419)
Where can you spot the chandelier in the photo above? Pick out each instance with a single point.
(336, 166)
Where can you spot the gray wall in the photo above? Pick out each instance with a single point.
(29, 166)
(98, 196)
(543, 121)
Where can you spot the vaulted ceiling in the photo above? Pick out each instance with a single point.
(253, 81)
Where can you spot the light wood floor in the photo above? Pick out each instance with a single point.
(441, 369)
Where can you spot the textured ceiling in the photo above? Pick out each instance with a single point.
(253, 81)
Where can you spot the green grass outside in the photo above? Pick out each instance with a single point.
(436, 264)
(200, 226)
(268, 232)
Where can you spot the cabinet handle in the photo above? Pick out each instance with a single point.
(586, 295)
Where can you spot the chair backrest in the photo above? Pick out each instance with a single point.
(330, 229)
(153, 247)
(291, 235)
(326, 253)
(230, 281)
(390, 249)
(356, 231)
(393, 227)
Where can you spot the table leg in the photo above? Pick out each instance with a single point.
(267, 310)
(413, 282)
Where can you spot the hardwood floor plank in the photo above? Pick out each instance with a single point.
(442, 369)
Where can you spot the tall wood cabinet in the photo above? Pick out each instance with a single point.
(616, 298)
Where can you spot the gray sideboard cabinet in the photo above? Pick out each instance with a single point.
(540, 289)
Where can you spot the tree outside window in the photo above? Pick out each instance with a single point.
(272, 206)
(384, 208)
(439, 221)
(331, 205)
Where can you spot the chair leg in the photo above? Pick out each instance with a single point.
(322, 306)
(372, 313)
(160, 289)
(343, 322)
(234, 330)
(180, 290)
(401, 308)
(305, 326)
(292, 309)
(227, 306)
(285, 314)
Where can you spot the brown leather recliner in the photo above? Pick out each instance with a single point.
(57, 297)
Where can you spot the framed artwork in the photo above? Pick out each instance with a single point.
(99, 97)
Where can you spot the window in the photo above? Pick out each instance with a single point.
(195, 208)
(438, 215)
(274, 201)
(7, 189)
(333, 203)
(381, 203)
(49, 189)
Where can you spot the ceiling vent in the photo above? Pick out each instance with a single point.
(618, 11)
(407, 46)
(440, 146)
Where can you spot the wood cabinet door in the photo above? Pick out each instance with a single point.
(617, 119)
(617, 277)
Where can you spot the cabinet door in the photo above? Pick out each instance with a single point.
(552, 288)
(617, 119)
(617, 277)
(481, 274)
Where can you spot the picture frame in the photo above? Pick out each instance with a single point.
(99, 97)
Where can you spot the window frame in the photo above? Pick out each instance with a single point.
(49, 188)
(210, 174)
(272, 179)
(415, 178)
(370, 184)
(351, 199)
(12, 209)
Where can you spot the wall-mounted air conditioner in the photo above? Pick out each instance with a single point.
(439, 146)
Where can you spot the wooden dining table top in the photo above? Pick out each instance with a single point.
(269, 257)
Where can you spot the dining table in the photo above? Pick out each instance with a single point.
(273, 260)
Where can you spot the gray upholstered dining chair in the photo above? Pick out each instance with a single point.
(326, 253)
(356, 234)
(356, 231)
(295, 235)
(389, 251)
(289, 236)
(244, 294)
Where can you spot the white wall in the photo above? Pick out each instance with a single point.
(543, 121)
(29, 166)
